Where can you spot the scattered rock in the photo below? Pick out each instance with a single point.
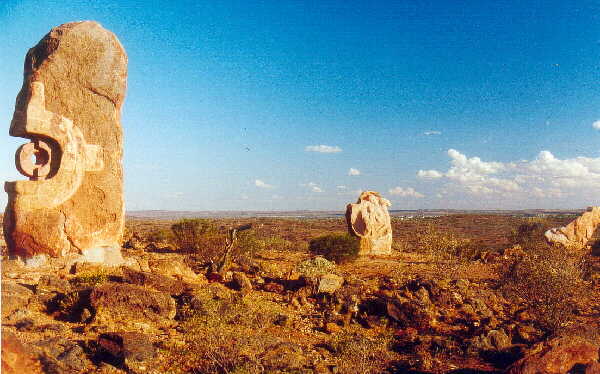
(157, 281)
(113, 302)
(51, 283)
(241, 283)
(63, 355)
(557, 356)
(15, 358)
(14, 297)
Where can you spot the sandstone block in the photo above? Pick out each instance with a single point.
(69, 108)
(369, 219)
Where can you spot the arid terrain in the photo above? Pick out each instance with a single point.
(462, 293)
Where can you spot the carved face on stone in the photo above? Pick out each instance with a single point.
(69, 111)
(57, 156)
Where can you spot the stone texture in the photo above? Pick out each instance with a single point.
(69, 108)
(578, 232)
(15, 358)
(369, 219)
(557, 356)
(128, 302)
(329, 283)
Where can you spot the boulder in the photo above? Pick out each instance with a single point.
(241, 283)
(557, 356)
(69, 108)
(329, 283)
(127, 348)
(369, 219)
(128, 302)
(578, 232)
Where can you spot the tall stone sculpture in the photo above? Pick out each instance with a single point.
(369, 219)
(69, 108)
(578, 232)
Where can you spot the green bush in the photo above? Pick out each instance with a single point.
(339, 247)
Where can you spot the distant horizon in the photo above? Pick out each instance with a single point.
(285, 106)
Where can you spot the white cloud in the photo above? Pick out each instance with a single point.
(260, 184)
(353, 171)
(596, 125)
(312, 186)
(406, 192)
(432, 132)
(322, 148)
(544, 177)
(429, 174)
(341, 187)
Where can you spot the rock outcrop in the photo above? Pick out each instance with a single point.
(369, 219)
(69, 108)
(577, 233)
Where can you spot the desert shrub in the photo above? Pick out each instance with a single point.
(161, 236)
(200, 236)
(550, 281)
(338, 247)
(278, 243)
(444, 246)
(358, 353)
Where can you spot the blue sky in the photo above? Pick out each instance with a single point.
(241, 105)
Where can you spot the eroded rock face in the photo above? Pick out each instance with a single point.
(577, 233)
(69, 108)
(369, 219)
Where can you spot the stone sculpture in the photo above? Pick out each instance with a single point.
(578, 232)
(369, 219)
(69, 108)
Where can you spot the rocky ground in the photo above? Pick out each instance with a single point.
(279, 309)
